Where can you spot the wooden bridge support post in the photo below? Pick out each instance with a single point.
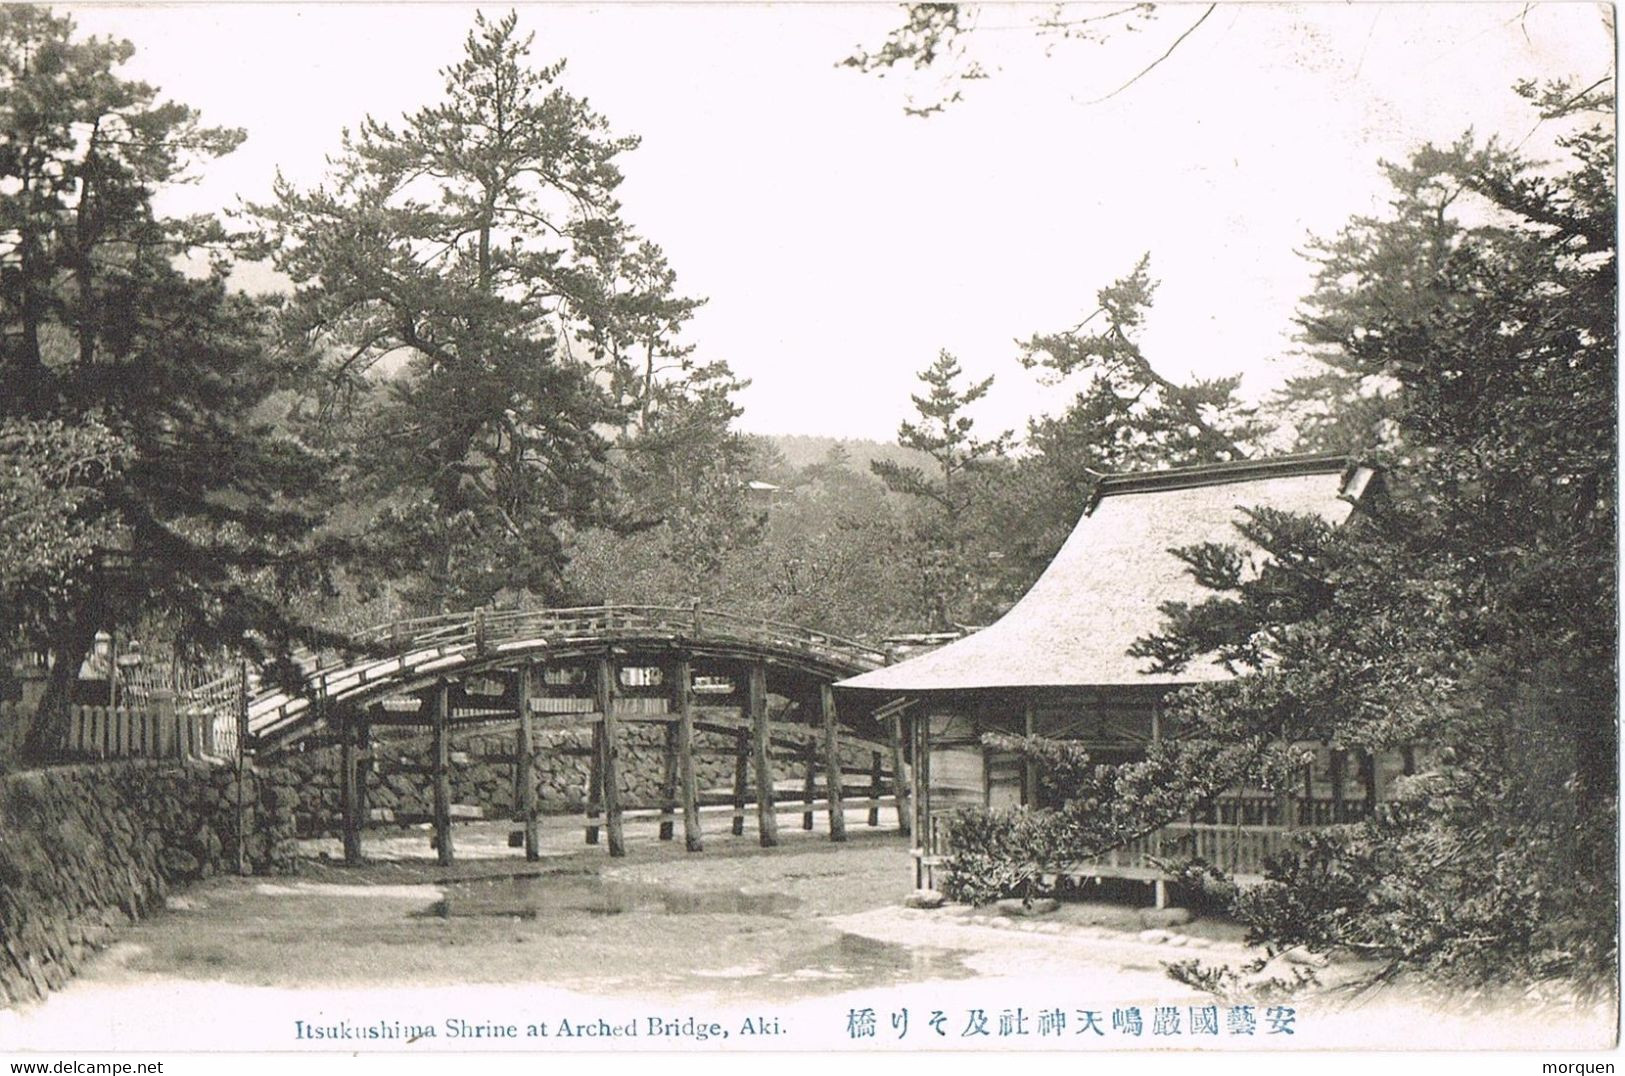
(525, 766)
(244, 759)
(741, 779)
(809, 788)
(899, 781)
(441, 766)
(767, 822)
(363, 774)
(611, 757)
(349, 801)
(692, 838)
(875, 788)
(668, 784)
(833, 775)
(595, 781)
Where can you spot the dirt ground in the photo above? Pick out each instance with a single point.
(657, 919)
(808, 923)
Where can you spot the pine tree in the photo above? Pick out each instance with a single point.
(946, 433)
(443, 268)
(131, 389)
(1471, 611)
(1125, 416)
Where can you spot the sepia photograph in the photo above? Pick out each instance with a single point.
(775, 527)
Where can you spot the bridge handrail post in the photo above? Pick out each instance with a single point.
(242, 760)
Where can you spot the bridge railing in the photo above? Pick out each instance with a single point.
(445, 634)
(495, 627)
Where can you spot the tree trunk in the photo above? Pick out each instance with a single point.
(49, 724)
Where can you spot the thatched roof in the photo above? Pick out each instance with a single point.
(1103, 589)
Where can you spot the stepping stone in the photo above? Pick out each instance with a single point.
(1038, 906)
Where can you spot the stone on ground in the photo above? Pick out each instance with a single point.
(1165, 917)
(924, 898)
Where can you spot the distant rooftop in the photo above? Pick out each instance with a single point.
(1104, 588)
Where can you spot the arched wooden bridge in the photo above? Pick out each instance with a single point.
(765, 686)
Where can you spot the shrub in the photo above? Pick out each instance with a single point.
(996, 854)
(1209, 890)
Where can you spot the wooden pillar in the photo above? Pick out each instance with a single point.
(875, 790)
(689, 782)
(668, 785)
(442, 772)
(1309, 791)
(595, 781)
(349, 798)
(767, 822)
(914, 740)
(832, 763)
(809, 789)
(741, 779)
(525, 767)
(924, 769)
(1338, 765)
(1029, 768)
(612, 748)
(901, 789)
(363, 774)
(1368, 774)
(923, 841)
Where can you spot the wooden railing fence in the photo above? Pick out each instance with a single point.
(1248, 834)
(158, 730)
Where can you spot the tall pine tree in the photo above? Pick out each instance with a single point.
(444, 268)
(947, 495)
(132, 388)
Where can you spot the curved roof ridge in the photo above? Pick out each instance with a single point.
(1214, 474)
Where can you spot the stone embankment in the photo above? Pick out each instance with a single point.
(85, 848)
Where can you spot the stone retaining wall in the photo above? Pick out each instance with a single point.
(85, 848)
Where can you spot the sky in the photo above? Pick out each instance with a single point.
(841, 243)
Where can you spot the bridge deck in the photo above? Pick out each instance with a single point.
(412, 650)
